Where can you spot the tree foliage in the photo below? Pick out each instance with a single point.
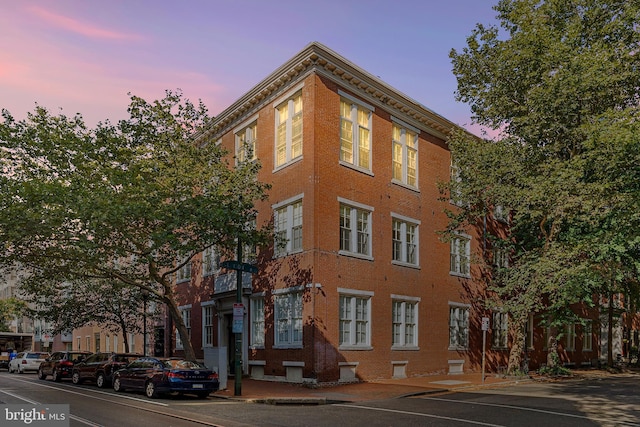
(560, 80)
(123, 205)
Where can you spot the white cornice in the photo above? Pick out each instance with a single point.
(316, 58)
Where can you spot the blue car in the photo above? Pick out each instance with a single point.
(155, 376)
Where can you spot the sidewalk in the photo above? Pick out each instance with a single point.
(262, 391)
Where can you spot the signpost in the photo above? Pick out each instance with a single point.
(485, 328)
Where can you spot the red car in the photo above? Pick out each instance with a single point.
(99, 367)
(60, 364)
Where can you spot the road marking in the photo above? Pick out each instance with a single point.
(418, 414)
(524, 408)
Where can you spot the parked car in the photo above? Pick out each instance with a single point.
(60, 364)
(157, 376)
(99, 367)
(27, 361)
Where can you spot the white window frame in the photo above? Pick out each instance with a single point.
(404, 322)
(587, 336)
(183, 274)
(499, 330)
(288, 220)
(361, 133)
(570, 337)
(246, 137)
(352, 231)
(528, 332)
(354, 308)
(210, 261)
(287, 311)
(460, 256)
(286, 151)
(257, 302)
(208, 320)
(185, 311)
(132, 343)
(500, 258)
(403, 230)
(404, 145)
(459, 326)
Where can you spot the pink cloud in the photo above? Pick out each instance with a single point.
(78, 27)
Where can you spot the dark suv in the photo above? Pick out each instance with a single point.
(60, 364)
(99, 367)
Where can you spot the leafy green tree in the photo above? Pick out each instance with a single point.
(560, 81)
(127, 204)
(9, 309)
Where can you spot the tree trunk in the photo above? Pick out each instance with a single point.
(125, 340)
(176, 316)
(610, 332)
(516, 331)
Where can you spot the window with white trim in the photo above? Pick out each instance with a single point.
(132, 343)
(288, 228)
(246, 143)
(184, 272)
(499, 330)
(207, 325)
(288, 130)
(355, 229)
(460, 258)
(587, 336)
(355, 320)
(355, 134)
(404, 240)
(500, 258)
(186, 318)
(210, 261)
(288, 319)
(458, 327)
(570, 337)
(257, 321)
(528, 332)
(404, 323)
(405, 155)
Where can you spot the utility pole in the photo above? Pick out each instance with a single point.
(237, 326)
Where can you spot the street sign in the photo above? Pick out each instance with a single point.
(238, 317)
(485, 323)
(242, 266)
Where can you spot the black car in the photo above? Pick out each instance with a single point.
(60, 364)
(157, 376)
(99, 367)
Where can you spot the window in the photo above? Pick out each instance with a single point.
(500, 213)
(455, 180)
(587, 336)
(528, 332)
(132, 343)
(210, 261)
(355, 134)
(257, 321)
(500, 258)
(405, 240)
(79, 342)
(288, 319)
(246, 143)
(88, 342)
(207, 326)
(96, 341)
(355, 229)
(405, 155)
(570, 337)
(458, 327)
(184, 273)
(499, 330)
(355, 320)
(107, 343)
(186, 318)
(288, 227)
(460, 255)
(289, 130)
(404, 322)
(115, 343)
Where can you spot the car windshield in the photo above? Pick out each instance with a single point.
(76, 357)
(182, 364)
(37, 355)
(124, 359)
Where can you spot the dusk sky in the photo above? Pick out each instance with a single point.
(86, 56)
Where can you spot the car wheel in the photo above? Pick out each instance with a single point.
(20, 371)
(41, 375)
(55, 376)
(10, 370)
(150, 389)
(202, 394)
(116, 385)
(75, 377)
(100, 380)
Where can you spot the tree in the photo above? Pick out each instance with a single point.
(126, 204)
(561, 83)
(9, 309)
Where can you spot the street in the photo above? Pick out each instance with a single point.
(610, 401)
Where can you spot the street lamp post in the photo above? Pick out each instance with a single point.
(145, 296)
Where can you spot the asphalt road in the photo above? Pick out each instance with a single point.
(611, 401)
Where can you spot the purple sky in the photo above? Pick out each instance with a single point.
(85, 56)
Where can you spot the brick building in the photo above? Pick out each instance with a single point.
(360, 285)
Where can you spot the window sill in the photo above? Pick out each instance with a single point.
(356, 168)
(289, 163)
(355, 347)
(405, 348)
(500, 348)
(463, 276)
(257, 347)
(355, 255)
(403, 185)
(456, 348)
(287, 347)
(405, 264)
